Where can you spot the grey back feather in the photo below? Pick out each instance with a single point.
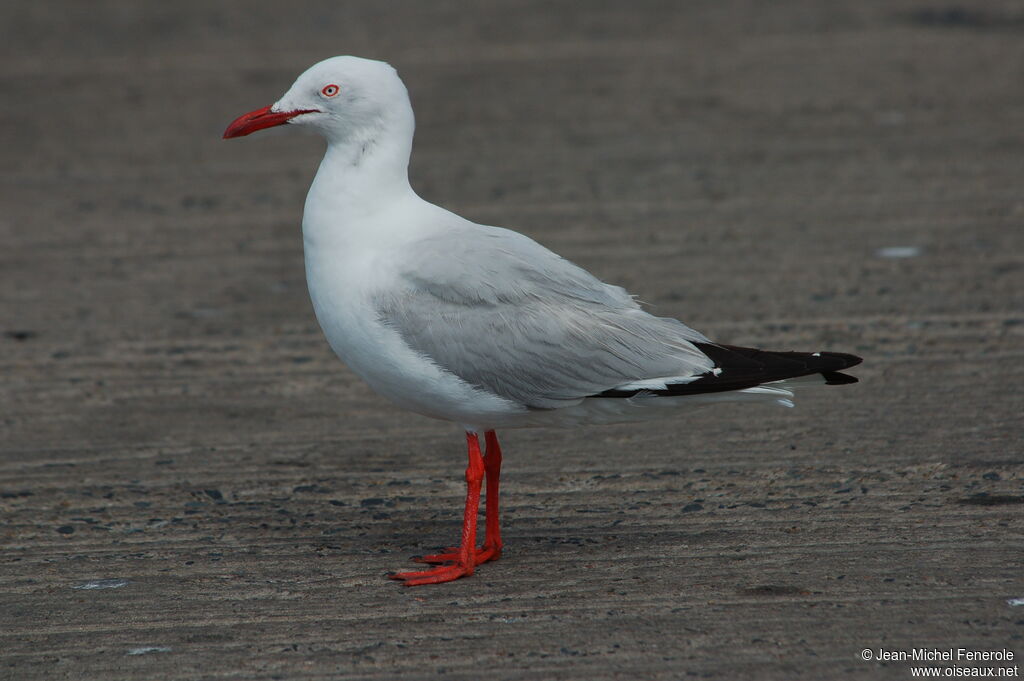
(522, 322)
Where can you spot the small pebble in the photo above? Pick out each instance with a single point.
(898, 252)
(102, 584)
(148, 649)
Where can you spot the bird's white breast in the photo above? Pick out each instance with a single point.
(347, 270)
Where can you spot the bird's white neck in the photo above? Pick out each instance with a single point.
(361, 174)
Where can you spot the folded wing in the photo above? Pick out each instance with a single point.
(521, 322)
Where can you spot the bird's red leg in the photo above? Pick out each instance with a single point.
(492, 531)
(465, 559)
(491, 550)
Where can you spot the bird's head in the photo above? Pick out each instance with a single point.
(341, 98)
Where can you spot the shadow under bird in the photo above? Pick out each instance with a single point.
(480, 325)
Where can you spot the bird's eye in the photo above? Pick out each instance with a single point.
(330, 90)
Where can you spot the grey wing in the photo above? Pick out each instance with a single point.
(519, 321)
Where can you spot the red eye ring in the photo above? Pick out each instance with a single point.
(330, 90)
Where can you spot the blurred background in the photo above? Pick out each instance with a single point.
(792, 175)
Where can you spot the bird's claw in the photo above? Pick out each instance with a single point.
(450, 565)
(451, 555)
(437, 575)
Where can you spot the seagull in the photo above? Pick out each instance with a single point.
(479, 325)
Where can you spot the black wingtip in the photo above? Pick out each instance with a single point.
(838, 378)
(844, 358)
(742, 368)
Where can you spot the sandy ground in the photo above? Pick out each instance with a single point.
(173, 423)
